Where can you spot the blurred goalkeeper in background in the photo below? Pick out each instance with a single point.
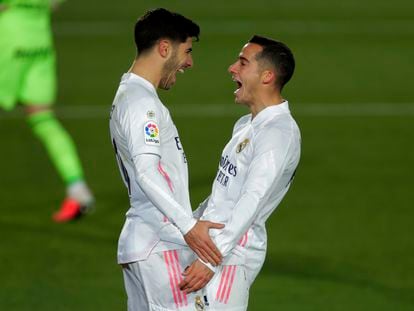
(28, 77)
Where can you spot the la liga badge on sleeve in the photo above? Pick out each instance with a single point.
(151, 133)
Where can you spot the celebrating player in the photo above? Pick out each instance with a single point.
(256, 169)
(152, 246)
(28, 77)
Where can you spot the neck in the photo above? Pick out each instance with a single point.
(148, 69)
(265, 101)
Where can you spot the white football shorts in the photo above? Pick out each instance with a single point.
(152, 285)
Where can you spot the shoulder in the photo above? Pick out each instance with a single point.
(138, 104)
(278, 133)
(240, 123)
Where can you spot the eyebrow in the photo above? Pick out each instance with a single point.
(244, 58)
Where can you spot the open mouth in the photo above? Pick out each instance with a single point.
(238, 83)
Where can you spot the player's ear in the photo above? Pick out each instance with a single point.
(164, 48)
(268, 77)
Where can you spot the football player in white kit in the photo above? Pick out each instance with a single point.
(159, 225)
(255, 172)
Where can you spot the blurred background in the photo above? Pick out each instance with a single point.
(343, 237)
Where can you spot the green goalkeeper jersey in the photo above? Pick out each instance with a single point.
(25, 23)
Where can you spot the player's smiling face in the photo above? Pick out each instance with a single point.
(245, 72)
(180, 60)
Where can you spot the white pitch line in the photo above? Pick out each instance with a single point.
(233, 27)
(88, 112)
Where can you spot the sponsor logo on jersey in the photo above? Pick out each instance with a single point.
(180, 147)
(227, 166)
(242, 145)
(151, 133)
(226, 171)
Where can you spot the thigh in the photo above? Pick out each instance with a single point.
(161, 274)
(134, 287)
(39, 84)
(228, 290)
(11, 75)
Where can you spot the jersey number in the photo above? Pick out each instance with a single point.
(122, 168)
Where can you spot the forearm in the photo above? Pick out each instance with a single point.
(242, 218)
(156, 188)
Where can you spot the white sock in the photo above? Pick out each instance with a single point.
(80, 192)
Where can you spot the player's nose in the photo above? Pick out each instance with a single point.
(189, 63)
(232, 68)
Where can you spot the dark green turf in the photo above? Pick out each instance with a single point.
(342, 238)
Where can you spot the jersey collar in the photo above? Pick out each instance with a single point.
(138, 79)
(269, 112)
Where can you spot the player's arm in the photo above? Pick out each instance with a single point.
(263, 171)
(145, 152)
(156, 189)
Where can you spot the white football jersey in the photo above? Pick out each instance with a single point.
(255, 171)
(141, 124)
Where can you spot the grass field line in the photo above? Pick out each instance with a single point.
(230, 26)
(231, 110)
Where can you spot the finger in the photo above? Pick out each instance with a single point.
(198, 285)
(215, 225)
(208, 256)
(190, 281)
(201, 255)
(211, 244)
(186, 270)
(187, 282)
(212, 252)
(182, 284)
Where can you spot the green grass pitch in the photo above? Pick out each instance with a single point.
(343, 237)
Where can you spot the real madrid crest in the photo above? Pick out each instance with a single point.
(242, 145)
(199, 305)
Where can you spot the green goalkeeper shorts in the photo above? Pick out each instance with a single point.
(27, 76)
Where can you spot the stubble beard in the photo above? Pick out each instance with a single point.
(168, 71)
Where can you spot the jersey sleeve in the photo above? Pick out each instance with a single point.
(157, 191)
(142, 123)
(264, 173)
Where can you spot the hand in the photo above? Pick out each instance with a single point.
(195, 277)
(200, 242)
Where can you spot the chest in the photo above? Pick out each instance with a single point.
(172, 150)
(235, 159)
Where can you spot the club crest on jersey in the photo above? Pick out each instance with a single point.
(199, 305)
(151, 134)
(242, 145)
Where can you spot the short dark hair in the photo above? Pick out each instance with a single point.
(162, 24)
(278, 55)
